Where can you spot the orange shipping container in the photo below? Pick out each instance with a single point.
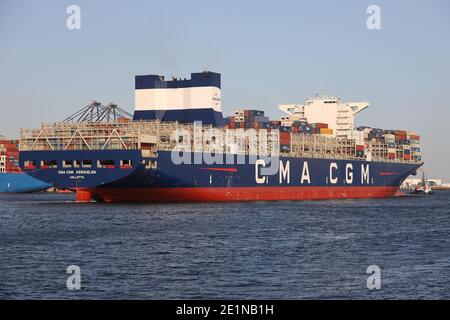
(123, 120)
(326, 131)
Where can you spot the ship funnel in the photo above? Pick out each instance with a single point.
(182, 100)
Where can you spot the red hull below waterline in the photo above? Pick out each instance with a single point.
(232, 194)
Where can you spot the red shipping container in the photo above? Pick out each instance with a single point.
(391, 155)
(360, 148)
(285, 138)
(400, 133)
(414, 137)
(322, 125)
(407, 156)
(295, 129)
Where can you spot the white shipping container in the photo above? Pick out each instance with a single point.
(358, 137)
(287, 123)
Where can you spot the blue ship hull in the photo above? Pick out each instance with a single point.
(297, 179)
(20, 183)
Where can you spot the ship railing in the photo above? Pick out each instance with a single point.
(118, 136)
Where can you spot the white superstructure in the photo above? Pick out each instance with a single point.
(340, 116)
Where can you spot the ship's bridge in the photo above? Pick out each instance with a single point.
(339, 115)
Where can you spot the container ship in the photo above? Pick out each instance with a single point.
(12, 179)
(178, 147)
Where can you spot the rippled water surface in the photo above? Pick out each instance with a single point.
(260, 250)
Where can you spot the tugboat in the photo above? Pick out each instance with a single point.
(423, 187)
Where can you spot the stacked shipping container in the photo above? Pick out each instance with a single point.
(386, 144)
(247, 119)
(393, 144)
(9, 156)
(285, 138)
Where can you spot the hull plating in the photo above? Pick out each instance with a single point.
(20, 183)
(236, 194)
(299, 179)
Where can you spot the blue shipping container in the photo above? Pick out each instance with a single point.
(285, 147)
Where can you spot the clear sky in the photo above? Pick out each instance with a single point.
(268, 52)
